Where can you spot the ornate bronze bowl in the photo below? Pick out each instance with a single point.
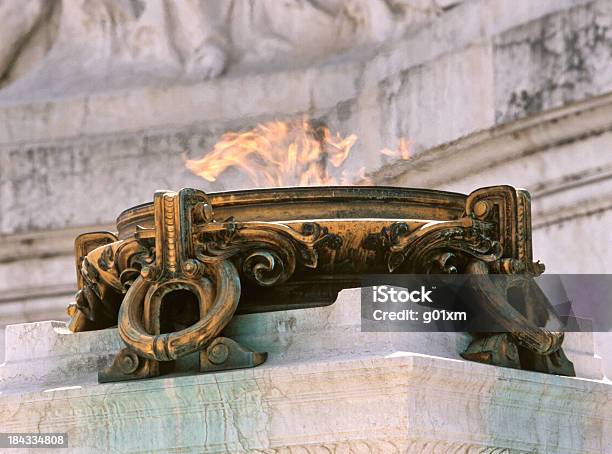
(179, 268)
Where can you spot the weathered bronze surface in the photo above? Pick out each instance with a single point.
(180, 268)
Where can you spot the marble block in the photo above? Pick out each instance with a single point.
(326, 387)
(48, 354)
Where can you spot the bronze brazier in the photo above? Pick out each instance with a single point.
(181, 267)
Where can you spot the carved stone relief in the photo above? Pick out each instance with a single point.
(110, 43)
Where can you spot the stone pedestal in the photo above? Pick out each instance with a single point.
(326, 387)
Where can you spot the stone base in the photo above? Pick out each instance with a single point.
(400, 403)
(326, 386)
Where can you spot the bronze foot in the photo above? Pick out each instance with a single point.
(226, 354)
(127, 365)
(497, 350)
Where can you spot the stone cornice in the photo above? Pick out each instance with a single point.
(488, 148)
(489, 151)
(45, 244)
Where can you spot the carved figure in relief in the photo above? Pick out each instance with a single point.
(118, 42)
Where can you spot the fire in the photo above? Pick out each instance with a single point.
(401, 152)
(277, 153)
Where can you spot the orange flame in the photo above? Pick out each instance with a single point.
(401, 152)
(277, 153)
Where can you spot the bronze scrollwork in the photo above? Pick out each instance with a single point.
(175, 275)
